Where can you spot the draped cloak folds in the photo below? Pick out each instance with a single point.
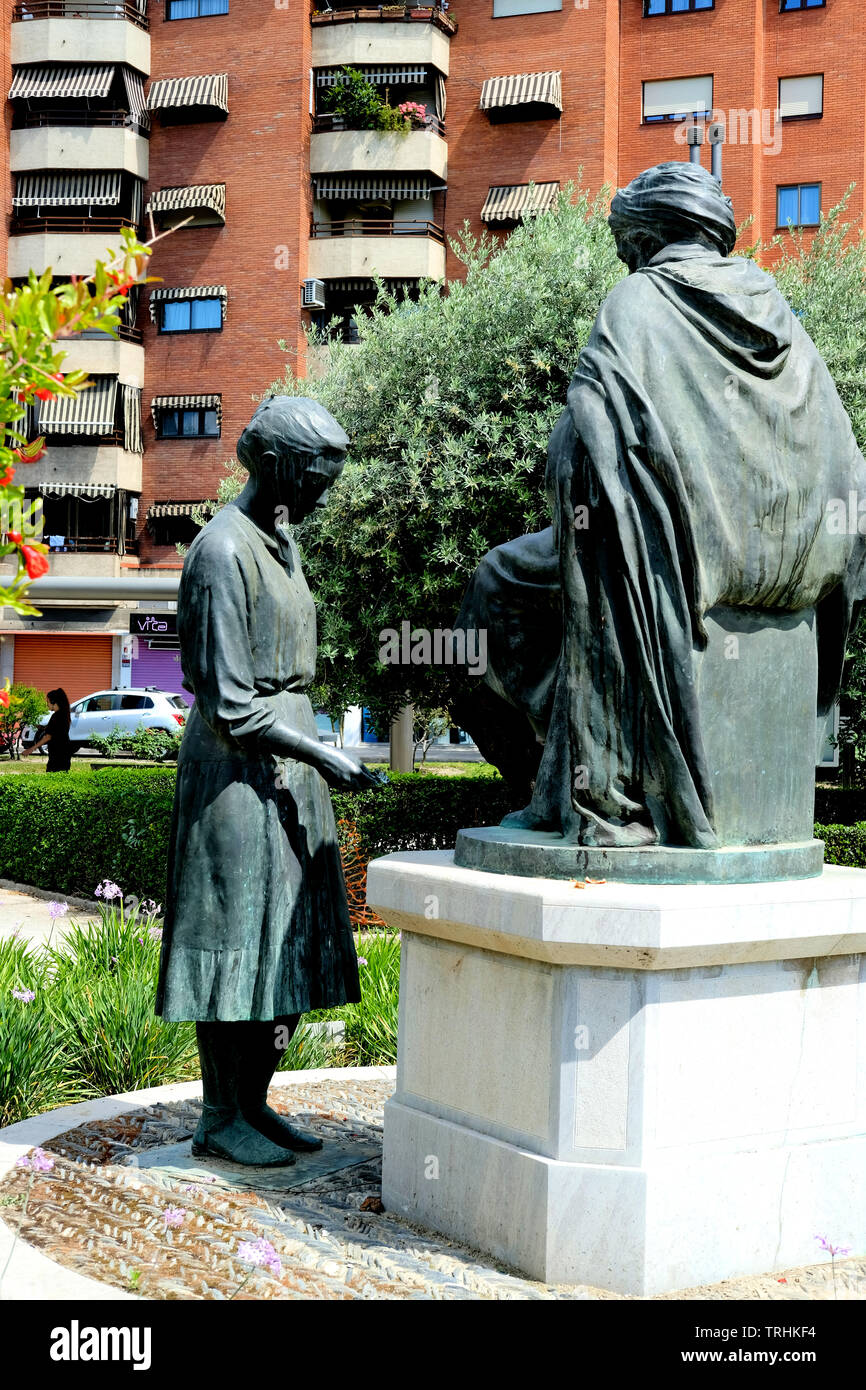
(693, 467)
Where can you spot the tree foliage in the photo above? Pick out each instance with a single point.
(825, 283)
(449, 403)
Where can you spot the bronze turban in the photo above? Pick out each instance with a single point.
(674, 202)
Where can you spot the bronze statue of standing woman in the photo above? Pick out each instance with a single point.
(257, 927)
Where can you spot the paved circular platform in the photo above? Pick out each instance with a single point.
(96, 1224)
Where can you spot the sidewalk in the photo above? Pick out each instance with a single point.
(28, 914)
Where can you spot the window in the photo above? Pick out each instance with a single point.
(195, 9)
(136, 702)
(799, 204)
(677, 99)
(801, 5)
(191, 316)
(676, 6)
(801, 96)
(503, 8)
(188, 424)
(100, 704)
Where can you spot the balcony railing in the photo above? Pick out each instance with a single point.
(365, 226)
(91, 545)
(28, 120)
(67, 226)
(427, 14)
(69, 9)
(124, 333)
(327, 123)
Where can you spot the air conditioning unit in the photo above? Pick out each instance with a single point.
(313, 295)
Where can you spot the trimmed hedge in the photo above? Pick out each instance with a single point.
(67, 833)
(844, 844)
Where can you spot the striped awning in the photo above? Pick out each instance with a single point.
(133, 441)
(508, 202)
(188, 292)
(521, 89)
(160, 509)
(370, 187)
(398, 76)
(91, 412)
(66, 190)
(191, 198)
(70, 80)
(161, 403)
(52, 488)
(209, 90)
(135, 98)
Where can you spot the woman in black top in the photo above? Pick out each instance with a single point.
(56, 733)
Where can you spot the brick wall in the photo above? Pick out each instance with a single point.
(261, 153)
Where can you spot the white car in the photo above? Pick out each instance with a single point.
(124, 710)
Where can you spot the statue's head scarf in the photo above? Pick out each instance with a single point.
(674, 202)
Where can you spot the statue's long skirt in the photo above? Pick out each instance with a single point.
(257, 924)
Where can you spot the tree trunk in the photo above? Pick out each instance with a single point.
(401, 741)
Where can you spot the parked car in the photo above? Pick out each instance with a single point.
(123, 710)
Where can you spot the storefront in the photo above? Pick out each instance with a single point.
(155, 653)
(78, 663)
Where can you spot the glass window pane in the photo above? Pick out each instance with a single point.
(175, 316)
(210, 423)
(206, 313)
(170, 424)
(679, 5)
(213, 7)
(501, 8)
(655, 7)
(787, 206)
(183, 9)
(190, 422)
(703, 4)
(810, 204)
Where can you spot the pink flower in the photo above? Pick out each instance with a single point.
(25, 995)
(38, 1161)
(174, 1216)
(261, 1254)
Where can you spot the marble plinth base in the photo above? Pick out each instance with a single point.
(638, 1088)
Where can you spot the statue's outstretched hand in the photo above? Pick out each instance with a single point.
(340, 771)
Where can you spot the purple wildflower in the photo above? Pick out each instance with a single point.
(833, 1250)
(155, 933)
(174, 1216)
(150, 907)
(25, 995)
(362, 960)
(108, 890)
(58, 909)
(38, 1161)
(261, 1254)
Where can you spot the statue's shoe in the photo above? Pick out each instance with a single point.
(240, 1142)
(525, 820)
(279, 1130)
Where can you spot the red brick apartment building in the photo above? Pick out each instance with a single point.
(218, 112)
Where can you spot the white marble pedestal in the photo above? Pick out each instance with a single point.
(637, 1088)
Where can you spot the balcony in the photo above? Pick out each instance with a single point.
(103, 355)
(106, 142)
(376, 151)
(356, 248)
(102, 460)
(387, 34)
(69, 245)
(60, 32)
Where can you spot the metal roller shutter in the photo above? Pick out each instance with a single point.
(79, 665)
